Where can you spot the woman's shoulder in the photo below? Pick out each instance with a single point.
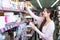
(52, 24)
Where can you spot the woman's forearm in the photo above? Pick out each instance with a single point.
(32, 14)
(39, 32)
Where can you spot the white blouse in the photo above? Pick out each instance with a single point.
(47, 30)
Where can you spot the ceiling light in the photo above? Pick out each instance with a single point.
(54, 3)
(39, 3)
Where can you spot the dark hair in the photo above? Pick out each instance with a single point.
(49, 10)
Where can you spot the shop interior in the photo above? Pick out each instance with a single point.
(13, 17)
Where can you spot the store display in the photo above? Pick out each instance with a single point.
(8, 21)
(7, 16)
(10, 17)
(15, 6)
(59, 21)
(58, 7)
(59, 12)
(11, 20)
(5, 28)
(21, 6)
(2, 22)
(15, 23)
(6, 4)
(9, 5)
(0, 4)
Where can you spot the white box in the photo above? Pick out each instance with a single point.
(59, 19)
(6, 4)
(59, 12)
(58, 7)
(12, 18)
(8, 13)
(2, 22)
(21, 6)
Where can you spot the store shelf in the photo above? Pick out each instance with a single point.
(0, 8)
(9, 26)
(9, 10)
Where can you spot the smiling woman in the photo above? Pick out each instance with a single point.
(47, 28)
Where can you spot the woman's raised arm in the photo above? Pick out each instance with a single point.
(33, 15)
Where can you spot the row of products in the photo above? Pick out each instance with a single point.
(59, 21)
(7, 18)
(11, 5)
(23, 32)
(59, 14)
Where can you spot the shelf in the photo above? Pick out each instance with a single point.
(0, 8)
(9, 26)
(11, 10)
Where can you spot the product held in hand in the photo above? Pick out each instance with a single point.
(29, 30)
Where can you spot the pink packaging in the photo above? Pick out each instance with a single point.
(6, 19)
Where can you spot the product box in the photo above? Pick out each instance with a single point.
(58, 7)
(6, 4)
(21, 6)
(0, 4)
(59, 12)
(2, 22)
(9, 19)
(59, 19)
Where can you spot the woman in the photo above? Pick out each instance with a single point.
(47, 25)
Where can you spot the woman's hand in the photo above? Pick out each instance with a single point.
(32, 25)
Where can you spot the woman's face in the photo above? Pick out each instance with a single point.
(45, 13)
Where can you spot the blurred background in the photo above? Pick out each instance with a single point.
(13, 18)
